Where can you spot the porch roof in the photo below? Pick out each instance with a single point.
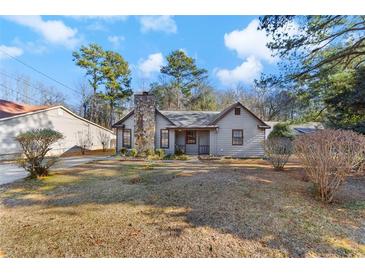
(193, 127)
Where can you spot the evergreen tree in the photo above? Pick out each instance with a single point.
(184, 75)
(117, 78)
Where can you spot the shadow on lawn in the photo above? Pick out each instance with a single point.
(252, 203)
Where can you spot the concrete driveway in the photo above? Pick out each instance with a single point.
(10, 172)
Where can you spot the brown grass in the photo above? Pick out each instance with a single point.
(223, 208)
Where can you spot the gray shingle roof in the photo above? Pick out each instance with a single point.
(195, 119)
(190, 118)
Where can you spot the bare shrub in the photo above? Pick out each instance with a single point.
(278, 151)
(104, 140)
(329, 156)
(84, 141)
(35, 145)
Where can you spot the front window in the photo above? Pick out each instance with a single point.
(127, 138)
(237, 111)
(237, 137)
(191, 137)
(164, 138)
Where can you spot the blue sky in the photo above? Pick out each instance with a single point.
(230, 47)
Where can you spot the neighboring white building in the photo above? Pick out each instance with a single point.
(16, 118)
(234, 131)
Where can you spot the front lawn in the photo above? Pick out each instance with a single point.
(229, 208)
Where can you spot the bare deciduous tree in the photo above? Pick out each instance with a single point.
(329, 156)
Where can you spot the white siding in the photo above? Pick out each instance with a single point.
(129, 124)
(162, 123)
(58, 119)
(253, 137)
(213, 142)
(220, 140)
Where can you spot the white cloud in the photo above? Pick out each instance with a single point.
(13, 51)
(245, 73)
(53, 31)
(249, 42)
(99, 22)
(250, 46)
(116, 40)
(252, 42)
(158, 23)
(151, 65)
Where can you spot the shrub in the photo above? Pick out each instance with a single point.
(133, 152)
(181, 157)
(160, 153)
(123, 151)
(104, 140)
(281, 130)
(278, 151)
(84, 141)
(149, 152)
(153, 157)
(35, 145)
(178, 151)
(329, 156)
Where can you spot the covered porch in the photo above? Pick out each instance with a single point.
(194, 141)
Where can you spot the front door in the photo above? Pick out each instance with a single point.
(203, 142)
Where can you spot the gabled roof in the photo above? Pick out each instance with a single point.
(231, 107)
(9, 109)
(38, 109)
(195, 119)
(129, 114)
(121, 121)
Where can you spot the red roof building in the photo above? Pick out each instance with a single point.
(9, 109)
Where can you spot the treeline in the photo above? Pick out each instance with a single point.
(321, 77)
(22, 88)
(182, 85)
(323, 63)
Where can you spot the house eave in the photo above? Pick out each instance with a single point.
(193, 127)
(52, 108)
(228, 109)
(120, 122)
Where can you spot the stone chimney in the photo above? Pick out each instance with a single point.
(144, 121)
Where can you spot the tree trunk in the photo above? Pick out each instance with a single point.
(111, 114)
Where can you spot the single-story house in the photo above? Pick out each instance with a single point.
(16, 118)
(234, 131)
